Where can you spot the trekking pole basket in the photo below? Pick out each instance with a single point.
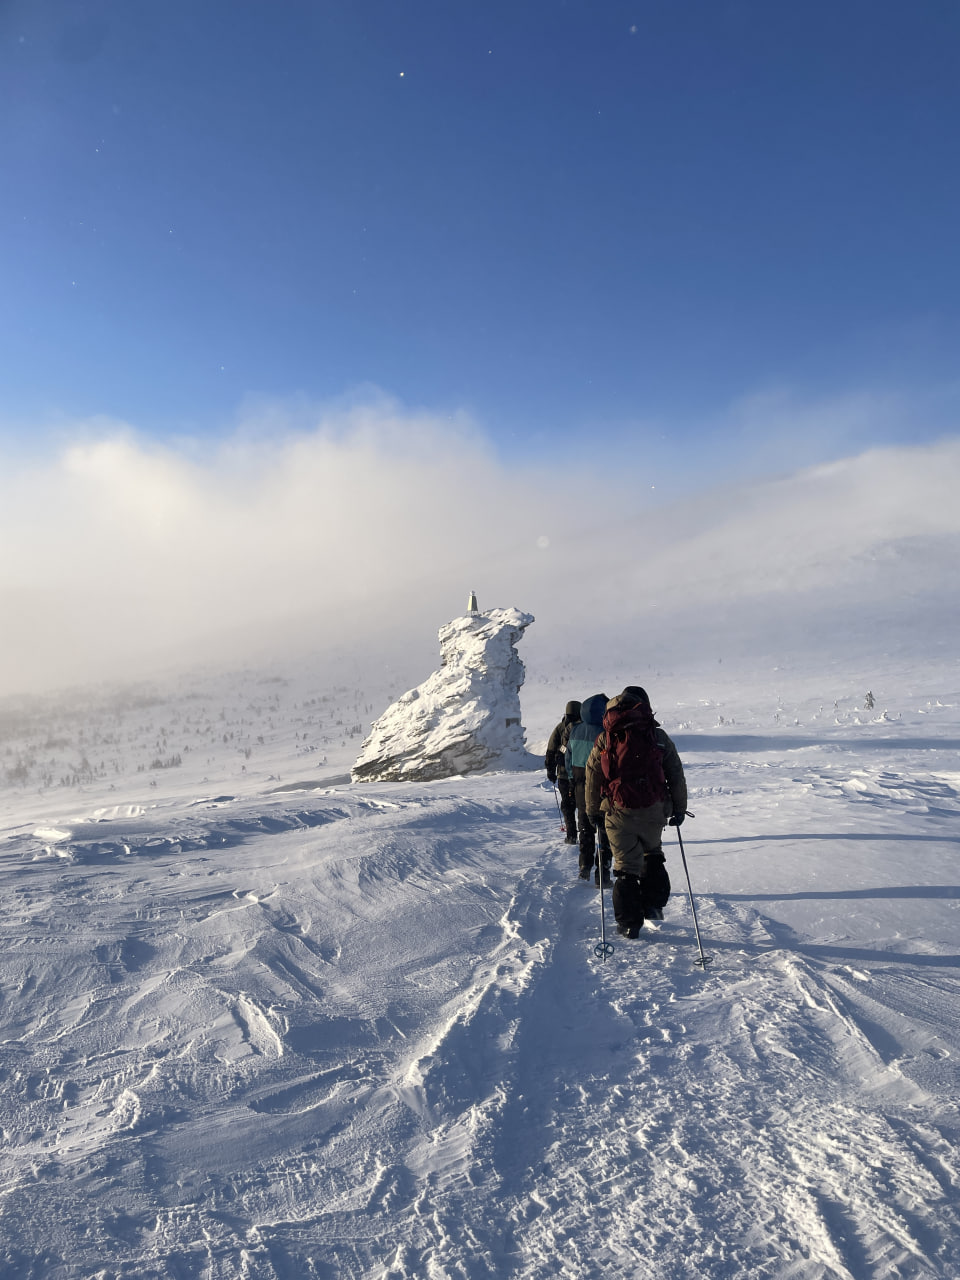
(603, 947)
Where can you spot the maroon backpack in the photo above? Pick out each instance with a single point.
(632, 760)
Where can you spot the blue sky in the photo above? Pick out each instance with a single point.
(585, 224)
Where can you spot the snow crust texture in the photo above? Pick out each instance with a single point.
(361, 1032)
(465, 717)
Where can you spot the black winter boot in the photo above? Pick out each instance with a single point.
(655, 885)
(627, 903)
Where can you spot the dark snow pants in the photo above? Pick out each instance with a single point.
(568, 805)
(589, 838)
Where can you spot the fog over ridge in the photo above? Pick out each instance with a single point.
(369, 529)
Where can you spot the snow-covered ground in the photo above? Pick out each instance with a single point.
(258, 1022)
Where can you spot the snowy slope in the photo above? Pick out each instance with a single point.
(360, 1030)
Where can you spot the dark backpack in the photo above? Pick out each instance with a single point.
(632, 760)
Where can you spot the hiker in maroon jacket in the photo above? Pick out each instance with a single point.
(635, 780)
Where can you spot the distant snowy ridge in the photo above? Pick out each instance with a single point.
(465, 717)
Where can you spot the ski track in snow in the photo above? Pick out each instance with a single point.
(369, 1038)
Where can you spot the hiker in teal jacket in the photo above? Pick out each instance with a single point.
(580, 742)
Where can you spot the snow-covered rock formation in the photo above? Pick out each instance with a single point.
(465, 717)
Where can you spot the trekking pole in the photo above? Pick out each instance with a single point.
(704, 960)
(603, 947)
(556, 797)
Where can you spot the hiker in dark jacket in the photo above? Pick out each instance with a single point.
(556, 767)
(580, 742)
(634, 778)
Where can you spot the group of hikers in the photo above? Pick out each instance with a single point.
(620, 782)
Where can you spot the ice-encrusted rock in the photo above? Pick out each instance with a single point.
(465, 717)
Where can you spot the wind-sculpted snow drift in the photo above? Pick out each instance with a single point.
(361, 1031)
(465, 717)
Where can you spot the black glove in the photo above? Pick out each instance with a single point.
(677, 819)
(594, 819)
(551, 777)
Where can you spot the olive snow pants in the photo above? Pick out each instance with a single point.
(641, 883)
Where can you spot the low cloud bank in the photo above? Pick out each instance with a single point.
(365, 533)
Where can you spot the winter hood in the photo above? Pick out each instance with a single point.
(591, 711)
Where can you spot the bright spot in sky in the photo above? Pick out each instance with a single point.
(543, 542)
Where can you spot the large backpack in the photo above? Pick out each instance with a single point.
(632, 760)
